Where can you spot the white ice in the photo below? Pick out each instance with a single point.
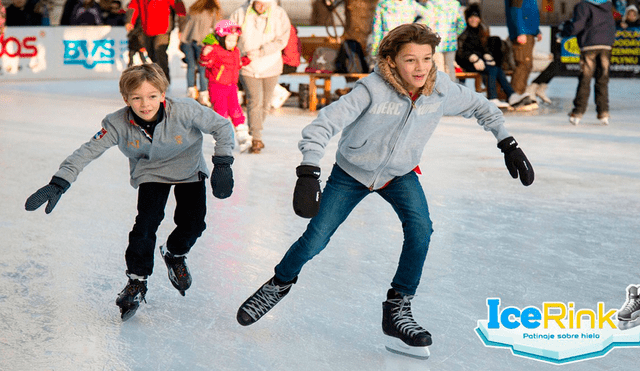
(574, 235)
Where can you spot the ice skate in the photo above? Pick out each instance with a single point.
(177, 269)
(243, 137)
(630, 311)
(263, 300)
(403, 335)
(574, 120)
(203, 98)
(192, 92)
(500, 104)
(604, 118)
(131, 296)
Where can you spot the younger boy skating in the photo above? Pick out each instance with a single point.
(386, 121)
(162, 137)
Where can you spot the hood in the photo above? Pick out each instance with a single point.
(598, 2)
(391, 76)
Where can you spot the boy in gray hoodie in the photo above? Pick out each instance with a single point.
(386, 121)
(162, 137)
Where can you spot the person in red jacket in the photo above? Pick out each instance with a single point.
(221, 58)
(155, 16)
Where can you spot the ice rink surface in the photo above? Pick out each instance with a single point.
(573, 236)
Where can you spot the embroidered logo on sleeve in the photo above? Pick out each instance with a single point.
(178, 139)
(100, 134)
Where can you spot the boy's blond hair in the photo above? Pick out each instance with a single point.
(134, 76)
(417, 33)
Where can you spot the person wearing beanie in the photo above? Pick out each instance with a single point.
(630, 18)
(474, 55)
(595, 29)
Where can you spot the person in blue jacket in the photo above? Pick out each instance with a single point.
(386, 121)
(523, 23)
(595, 29)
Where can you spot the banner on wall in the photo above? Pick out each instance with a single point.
(625, 55)
(92, 52)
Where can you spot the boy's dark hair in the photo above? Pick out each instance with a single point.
(134, 76)
(417, 33)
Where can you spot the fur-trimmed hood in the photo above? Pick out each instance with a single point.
(391, 76)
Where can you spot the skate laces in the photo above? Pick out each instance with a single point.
(135, 288)
(178, 266)
(266, 298)
(633, 305)
(404, 318)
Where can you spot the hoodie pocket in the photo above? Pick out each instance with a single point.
(367, 155)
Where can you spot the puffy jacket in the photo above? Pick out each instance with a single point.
(154, 14)
(390, 14)
(447, 20)
(523, 17)
(592, 24)
(384, 131)
(222, 65)
(173, 156)
(268, 33)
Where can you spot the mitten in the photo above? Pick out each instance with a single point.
(488, 60)
(307, 194)
(222, 176)
(478, 63)
(516, 161)
(51, 193)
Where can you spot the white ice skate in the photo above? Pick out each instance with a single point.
(629, 314)
(243, 137)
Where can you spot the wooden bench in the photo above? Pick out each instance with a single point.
(478, 80)
(326, 78)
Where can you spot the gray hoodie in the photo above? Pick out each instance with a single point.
(383, 132)
(173, 156)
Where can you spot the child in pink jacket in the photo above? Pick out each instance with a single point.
(222, 60)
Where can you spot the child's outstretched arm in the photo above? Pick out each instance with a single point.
(70, 168)
(315, 137)
(462, 101)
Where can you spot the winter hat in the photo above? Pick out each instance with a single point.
(629, 8)
(473, 9)
(226, 27)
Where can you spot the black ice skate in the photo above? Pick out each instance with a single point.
(178, 271)
(131, 296)
(263, 300)
(404, 335)
(631, 309)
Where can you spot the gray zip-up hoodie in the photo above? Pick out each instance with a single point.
(173, 156)
(383, 132)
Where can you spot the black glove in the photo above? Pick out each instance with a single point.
(222, 176)
(516, 161)
(51, 192)
(307, 194)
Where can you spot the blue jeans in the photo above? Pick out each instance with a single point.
(496, 74)
(192, 55)
(341, 195)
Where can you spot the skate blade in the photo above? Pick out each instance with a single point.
(126, 314)
(397, 346)
(626, 325)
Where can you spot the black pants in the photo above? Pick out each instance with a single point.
(189, 219)
(157, 49)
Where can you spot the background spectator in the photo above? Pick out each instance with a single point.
(157, 23)
(81, 13)
(23, 13)
(265, 33)
(594, 27)
(116, 15)
(523, 22)
(135, 39)
(630, 18)
(390, 14)
(199, 22)
(473, 55)
(447, 21)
